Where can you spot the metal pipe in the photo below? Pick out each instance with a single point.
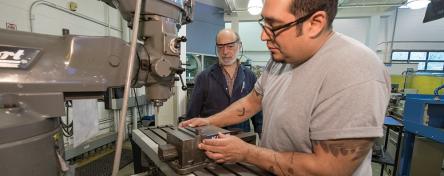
(55, 6)
(411, 42)
(345, 6)
(127, 88)
(108, 26)
(372, 5)
(393, 38)
(135, 115)
(134, 111)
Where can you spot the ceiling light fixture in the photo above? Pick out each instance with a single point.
(417, 4)
(255, 7)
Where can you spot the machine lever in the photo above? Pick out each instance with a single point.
(179, 71)
(184, 87)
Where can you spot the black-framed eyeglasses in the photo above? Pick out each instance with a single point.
(273, 32)
(230, 45)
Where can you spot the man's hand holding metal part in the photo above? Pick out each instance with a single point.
(226, 148)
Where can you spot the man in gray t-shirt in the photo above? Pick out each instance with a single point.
(323, 97)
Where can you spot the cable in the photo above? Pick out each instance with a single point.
(136, 76)
(137, 105)
(436, 92)
(67, 129)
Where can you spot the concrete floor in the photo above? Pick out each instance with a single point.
(126, 171)
(129, 170)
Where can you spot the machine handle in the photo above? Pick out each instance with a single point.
(437, 91)
(179, 71)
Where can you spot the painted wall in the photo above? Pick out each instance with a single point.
(201, 33)
(425, 84)
(373, 33)
(48, 20)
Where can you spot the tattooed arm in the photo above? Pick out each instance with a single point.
(330, 157)
(239, 111)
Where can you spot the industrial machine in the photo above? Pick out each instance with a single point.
(173, 151)
(38, 73)
(423, 116)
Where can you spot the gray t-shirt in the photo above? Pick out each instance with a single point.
(341, 92)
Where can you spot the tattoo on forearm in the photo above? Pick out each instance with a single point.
(241, 112)
(336, 148)
(292, 156)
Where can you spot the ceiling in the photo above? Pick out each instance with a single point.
(344, 3)
(231, 6)
(236, 9)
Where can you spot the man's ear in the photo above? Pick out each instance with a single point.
(317, 24)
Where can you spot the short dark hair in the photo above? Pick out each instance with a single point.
(302, 7)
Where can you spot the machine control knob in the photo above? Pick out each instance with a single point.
(181, 39)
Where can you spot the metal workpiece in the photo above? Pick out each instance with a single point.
(174, 151)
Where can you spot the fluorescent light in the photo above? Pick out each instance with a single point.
(417, 4)
(255, 7)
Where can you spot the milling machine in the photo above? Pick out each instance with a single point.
(38, 73)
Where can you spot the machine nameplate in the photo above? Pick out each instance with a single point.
(17, 57)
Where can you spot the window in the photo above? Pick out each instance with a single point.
(400, 56)
(438, 56)
(422, 56)
(429, 61)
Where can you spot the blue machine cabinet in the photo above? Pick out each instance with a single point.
(424, 116)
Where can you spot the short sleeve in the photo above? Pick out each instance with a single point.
(354, 112)
(258, 87)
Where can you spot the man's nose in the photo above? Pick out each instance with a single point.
(226, 50)
(264, 36)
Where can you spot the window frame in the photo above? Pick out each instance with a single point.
(426, 61)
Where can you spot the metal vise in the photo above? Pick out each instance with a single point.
(182, 152)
